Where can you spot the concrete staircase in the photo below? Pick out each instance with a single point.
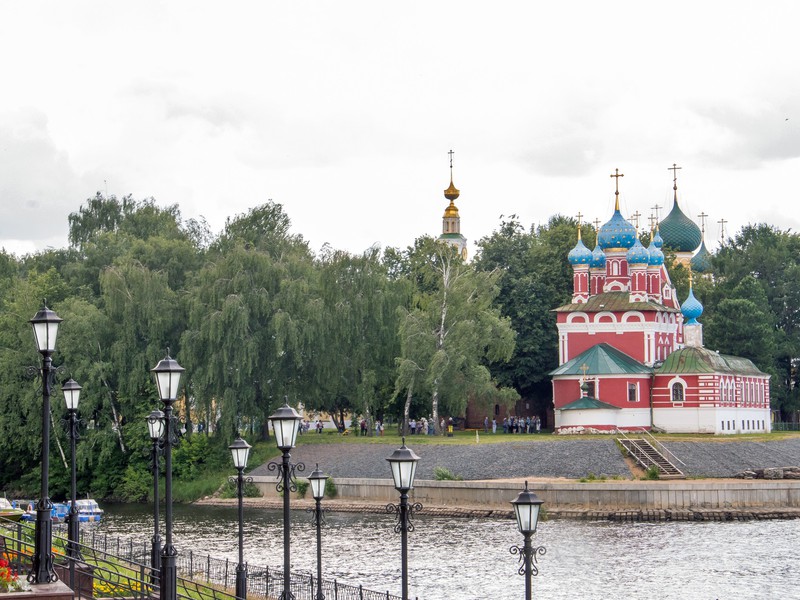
(648, 456)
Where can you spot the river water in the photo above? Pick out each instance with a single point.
(469, 558)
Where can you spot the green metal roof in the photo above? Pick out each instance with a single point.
(613, 301)
(602, 359)
(703, 360)
(452, 236)
(588, 403)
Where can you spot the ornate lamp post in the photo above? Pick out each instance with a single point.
(72, 394)
(240, 450)
(317, 480)
(404, 467)
(526, 508)
(285, 426)
(45, 328)
(155, 426)
(168, 376)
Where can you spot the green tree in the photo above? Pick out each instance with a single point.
(451, 332)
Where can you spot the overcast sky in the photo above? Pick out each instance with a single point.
(344, 112)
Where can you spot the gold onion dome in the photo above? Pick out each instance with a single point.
(452, 210)
(451, 193)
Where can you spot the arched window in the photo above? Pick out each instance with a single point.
(496, 409)
(677, 392)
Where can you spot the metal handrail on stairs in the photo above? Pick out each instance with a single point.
(662, 449)
(645, 460)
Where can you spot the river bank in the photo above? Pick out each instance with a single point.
(491, 500)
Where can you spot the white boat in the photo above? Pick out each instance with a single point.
(88, 510)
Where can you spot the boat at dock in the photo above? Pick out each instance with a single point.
(10, 512)
(88, 510)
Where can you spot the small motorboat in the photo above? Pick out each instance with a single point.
(88, 510)
(58, 514)
(10, 512)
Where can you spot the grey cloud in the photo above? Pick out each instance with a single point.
(38, 187)
(751, 137)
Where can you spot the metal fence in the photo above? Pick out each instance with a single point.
(785, 426)
(262, 581)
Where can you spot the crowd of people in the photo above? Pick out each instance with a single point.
(514, 424)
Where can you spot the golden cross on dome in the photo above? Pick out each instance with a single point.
(635, 216)
(722, 228)
(580, 216)
(653, 220)
(584, 367)
(451, 158)
(702, 216)
(656, 208)
(617, 175)
(596, 224)
(674, 168)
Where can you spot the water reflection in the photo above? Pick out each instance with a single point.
(469, 558)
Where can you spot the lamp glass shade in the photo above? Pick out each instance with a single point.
(45, 329)
(317, 480)
(240, 450)
(404, 466)
(155, 425)
(72, 393)
(285, 425)
(526, 509)
(168, 377)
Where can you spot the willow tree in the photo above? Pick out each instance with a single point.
(452, 332)
(357, 333)
(247, 342)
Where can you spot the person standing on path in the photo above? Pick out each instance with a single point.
(494, 424)
(486, 425)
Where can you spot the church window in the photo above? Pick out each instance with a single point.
(677, 392)
(633, 392)
(496, 409)
(591, 389)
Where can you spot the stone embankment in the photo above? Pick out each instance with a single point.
(770, 473)
(493, 473)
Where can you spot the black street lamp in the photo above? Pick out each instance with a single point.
(155, 427)
(45, 329)
(526, 508)
(72, 394)
(168, 376)
(240, 450)
(318, 480)
(285, 426)
(404, 467)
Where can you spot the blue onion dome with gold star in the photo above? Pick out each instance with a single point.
(701, 262)
(617, 233)
(580, 254)
(691, 308)
(656, 258)
(598, 258)
(658, 241)
(638, 254)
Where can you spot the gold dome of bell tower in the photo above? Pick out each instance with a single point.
(451, 221)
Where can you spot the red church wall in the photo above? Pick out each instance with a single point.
(631, 343)
(611, 390)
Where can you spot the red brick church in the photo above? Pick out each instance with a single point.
(631, 356)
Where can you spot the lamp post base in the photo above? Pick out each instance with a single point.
(168, 586)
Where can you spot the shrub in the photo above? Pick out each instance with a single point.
(443, 474)
(652, 473)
